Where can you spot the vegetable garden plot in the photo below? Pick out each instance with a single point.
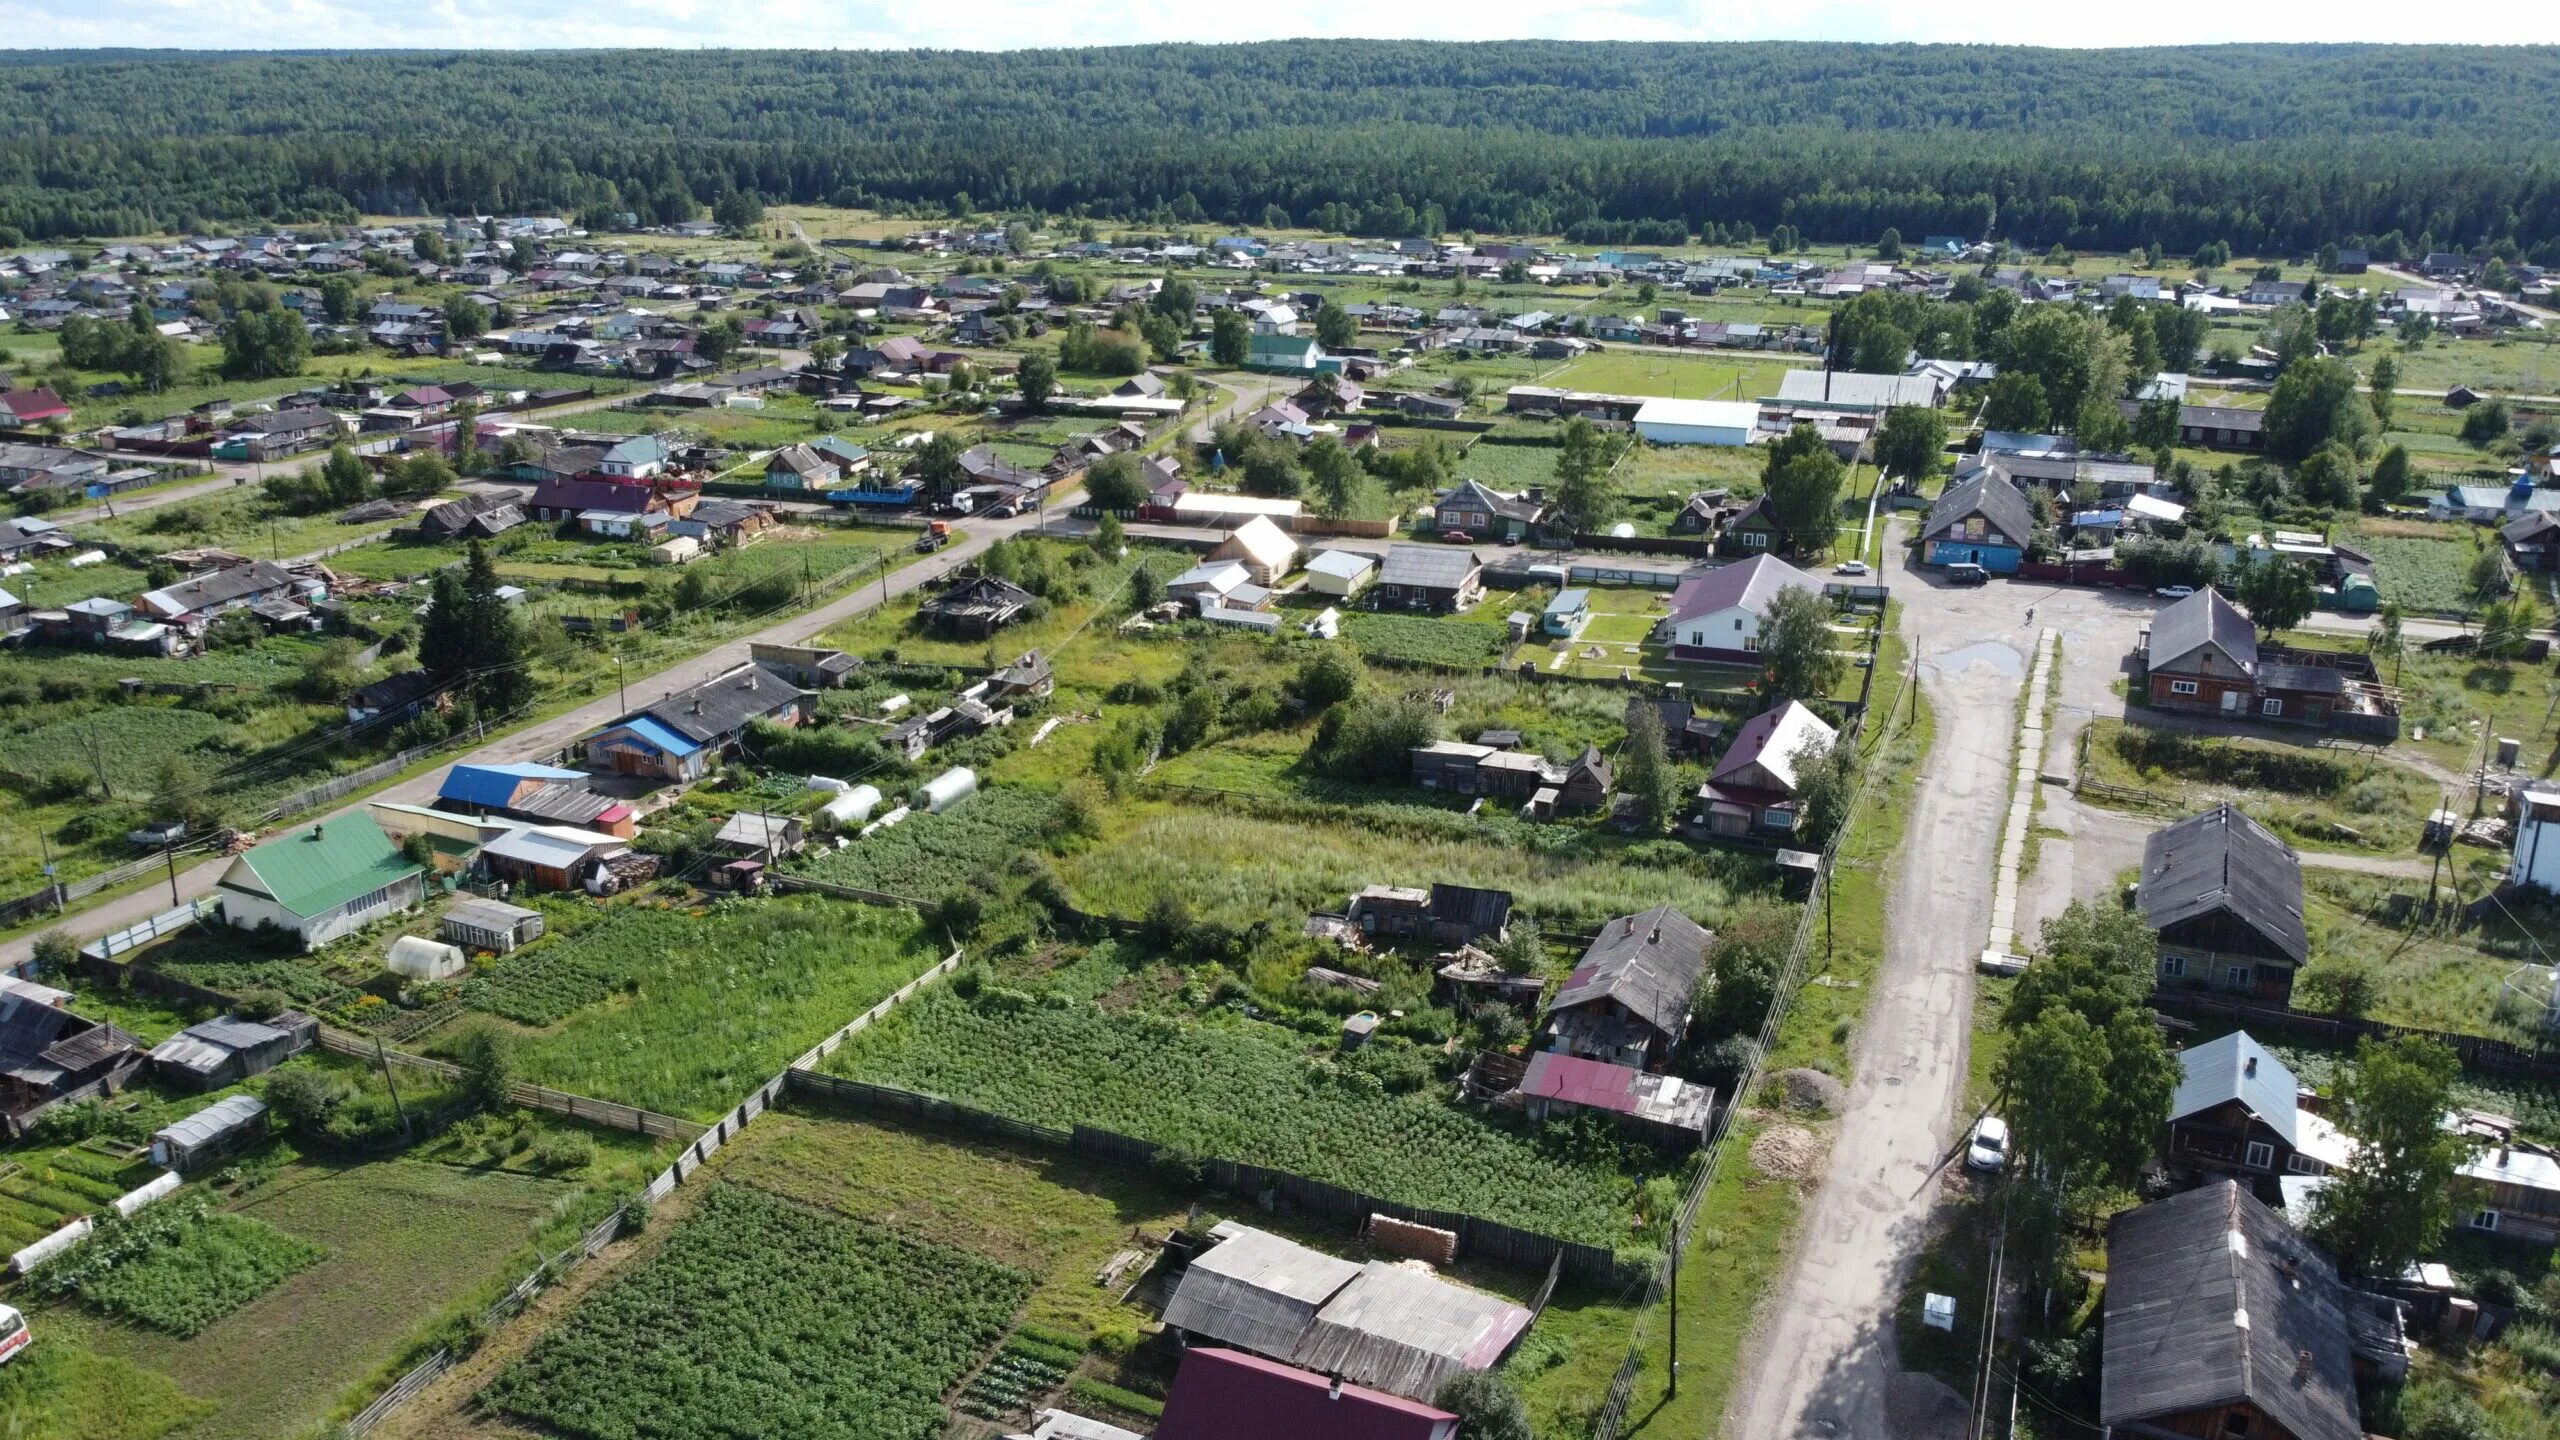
(760, 1318)
(1227, 1091)
(928, 856)
(1462, 644)
(176, 1267)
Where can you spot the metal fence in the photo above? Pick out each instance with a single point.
(135, 936)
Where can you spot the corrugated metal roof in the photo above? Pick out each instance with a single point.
(1595, 1084)
(1223, 1395)
(2237, 1067)
(313, 870)
(1256, 1290)
(1648, 962)
(2212, 1300)
(650, 731)
(480, 914)
(1407, 1332)
(1434, 567)
(495, 785)
(212, 1122)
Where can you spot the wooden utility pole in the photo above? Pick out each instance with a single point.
(382, 1058)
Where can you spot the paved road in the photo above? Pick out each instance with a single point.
(549, 736)
(1824, 1353)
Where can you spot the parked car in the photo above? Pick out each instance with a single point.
(1457, 537)
(14, 1334)
(2175, 592)
(1967, 573)
(1850, 567)
(1988, 1150)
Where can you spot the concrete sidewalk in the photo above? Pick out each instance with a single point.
(2022, 799)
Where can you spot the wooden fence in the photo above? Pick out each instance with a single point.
(1479, 1237)
(2478, 1052)
(704, 1143)
(608, 1113)
(123, 976)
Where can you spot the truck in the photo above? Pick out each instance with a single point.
(937, 533)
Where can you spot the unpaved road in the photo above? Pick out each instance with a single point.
(1824, 1352)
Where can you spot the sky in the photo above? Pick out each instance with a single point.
(1014, 24)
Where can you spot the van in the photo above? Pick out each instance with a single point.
(1968, 573)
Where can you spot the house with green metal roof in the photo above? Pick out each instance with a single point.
(1291, 354)
(321, 881)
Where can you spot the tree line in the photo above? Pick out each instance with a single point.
(2261, 148)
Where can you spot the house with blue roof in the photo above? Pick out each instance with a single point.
(2238, 1112)
(2492, 504)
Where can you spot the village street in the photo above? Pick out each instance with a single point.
(548, 737)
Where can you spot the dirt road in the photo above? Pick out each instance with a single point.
(1824, 1353)
(548, 736)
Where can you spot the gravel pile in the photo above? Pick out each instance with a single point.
(1810, 1091)
(1787, 1152)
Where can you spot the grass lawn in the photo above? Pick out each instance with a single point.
(2431, 976)
(1677, 471)
(893, 632)
(1509, 467)
(709, 1008)
(241, 520)
(402, 1240)
(2515, 365)
(1708, 376)
(56, 1390)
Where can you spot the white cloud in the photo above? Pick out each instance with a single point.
(1014, 24)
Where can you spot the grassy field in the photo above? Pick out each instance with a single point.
(1708, 376)
(1244, 868)
(2318, 799)
(706, 1009)
(241, 520)
(401, 1239)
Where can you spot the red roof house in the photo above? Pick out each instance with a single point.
(33, 407)
(1229, 1395)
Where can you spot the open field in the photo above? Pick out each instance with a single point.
(1710, 375)
(2319, 799)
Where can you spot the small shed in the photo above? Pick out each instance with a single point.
(212, 1132)
(492, 925)
(226, 1050)
(681, 550)
(759, 836)
(420, 958)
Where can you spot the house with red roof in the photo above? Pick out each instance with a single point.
(1753, 790)
(33, 407)
(1229, 1395)
(1671, 1110)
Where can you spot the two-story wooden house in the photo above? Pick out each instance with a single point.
(2225, 897)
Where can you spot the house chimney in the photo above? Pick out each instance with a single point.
(1630, 923)
(315, 832)
(2249, 1067)
(697, 705)
(1334, 1393)
(2301, 1366)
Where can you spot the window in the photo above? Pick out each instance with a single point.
(2235, 1423)
(2484, 1220)
(1751, 644)
(2182, 687)
(2173, 966)
(1737, 622)
(2259, 1156)
(2237, 976)
(2303, 1165)
(2271, 707)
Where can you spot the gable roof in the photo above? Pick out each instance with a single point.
(1431, 567)
(1257, 1290)
(2223, 860)
(2212, 1300)
(1228, 1395)
(1262, 542)
(496, 785)
(1751, 584)
(317, 868)
(2236, 1067)
(1855, 391)
(1772, 739)
(1648, 962)
(1342, 564)
(725, 702)
(1476, 495)
(2200, 619)
(1990, 495)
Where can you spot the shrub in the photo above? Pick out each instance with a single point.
(563, 1150)
(2439, 1410)
(1112, 1397)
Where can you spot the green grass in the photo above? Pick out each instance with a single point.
(2317, 798)
(709, 1008)
(2422, 568)
(761, 1318)
(57, 1390)
(1707, 376)
(1244, 868)
(1509, 467)
(402, 1240)
(241, 520)
(127, 742)
(2431, 976)
(927, 856)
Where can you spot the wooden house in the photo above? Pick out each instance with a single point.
(2225, 897)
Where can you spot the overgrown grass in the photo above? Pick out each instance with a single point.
(2317, 798)
(176, 1267)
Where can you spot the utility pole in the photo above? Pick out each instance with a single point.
(169, 853)
(98, 760)
(621, 675)
(382, 1058)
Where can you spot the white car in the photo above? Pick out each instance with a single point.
(1850, 567)
(2175, 592)
(1989, 1148)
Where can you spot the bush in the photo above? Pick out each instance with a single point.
(2536, 1345)
(53, 952)
(1112, 1397)
(260, 1003)
(563, 1150)
(2439, 1410)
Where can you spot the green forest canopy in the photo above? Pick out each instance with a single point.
(2265, 147)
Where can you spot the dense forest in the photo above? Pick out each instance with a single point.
(2263, 147)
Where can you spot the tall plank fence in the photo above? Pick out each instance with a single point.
(2477, 1052)
(610, 1114)
(1477, 1236)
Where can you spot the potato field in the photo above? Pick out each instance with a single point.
(761, 1318)
(1460, 644)
(1230, 1092)
(927, 856)
(176, 1267)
